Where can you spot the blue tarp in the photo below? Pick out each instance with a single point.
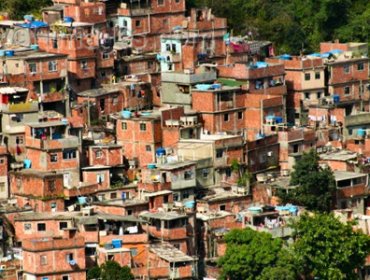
(33, 24)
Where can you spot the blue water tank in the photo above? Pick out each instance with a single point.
(160, 152)
(34, 47)
(361, 132)
(336, 98)
(68, 19)
(82, 200)
(278, 119)
(27, 163)
(152, 166)
(190, 204)
(117, 243)
(28, 17)
(126, 114)
(9, 53)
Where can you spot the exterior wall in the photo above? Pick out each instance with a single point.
(109, 156)
(99, 176)
(28, 229)
(40, 258)
(137, 143)
(36, 186)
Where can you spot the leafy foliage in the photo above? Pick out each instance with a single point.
(110, 270)
(248, 253)
(315, 185)
(18, 8)
(328, 249)
(295, 25)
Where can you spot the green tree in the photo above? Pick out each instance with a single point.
(248, 253)
(325, 248)
(94, 273)
(314, 185)
(18, 8)
(111, 270)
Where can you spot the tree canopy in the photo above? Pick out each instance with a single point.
(314, 185)
(110, 270)
(325, 248)
(18, 8)
(248, 253)
(322, 248)
(295, 25)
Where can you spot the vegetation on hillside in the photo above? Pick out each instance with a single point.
(323, 248)
(295, 25)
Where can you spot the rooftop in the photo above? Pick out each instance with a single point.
(168, 216)
(176, 165)
(169, 253)
(342, 155)
(345, 175)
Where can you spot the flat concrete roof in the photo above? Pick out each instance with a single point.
(176, 165)
(169, 253)
(342, 155)
(345, 175)
(168, 216)
(98, 92)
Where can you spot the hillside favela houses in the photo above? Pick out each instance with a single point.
(123, 122)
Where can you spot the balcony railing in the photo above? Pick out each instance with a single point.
(20, 107)
(49, 144)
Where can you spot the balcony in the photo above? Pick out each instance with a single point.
(352, 191)
(168, 234)
(20, 107)
(52, 144)
(127, 12)
(53, 97)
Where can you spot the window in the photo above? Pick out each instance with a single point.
(113, 195)
(219, 153)
(160, 2)
(65, 277)
(32, 67)
(138, 23)
(63, 225)
(165, 22)
(188, 175)
(150, 64)
(360, 66)
(133, 252)
(306, 95)
(84, 64)
(319, 95)
(347, 90)
(143, 127)
(69, 154)
(346, 68)
(185, 195)
(173, 48)
(54, 157)
(19, 140)
(43, 260)
(317, 75)
(98, 153)
(105, 55)
(240, 115)
(100, 178)
(41, 227)
(51, 185)
(27, 226)
(307, 76)
(115, 100)
(148, 148)
(226, 117)
(69, 257)
(222, 207)
(52, 65)
(124, 126)
(205, 173)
